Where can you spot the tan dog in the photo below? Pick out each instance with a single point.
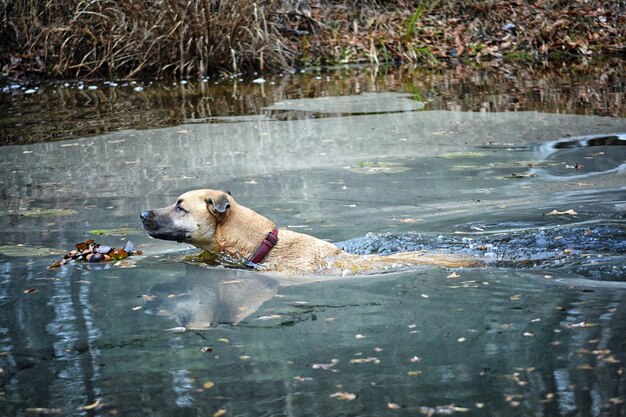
(234, 235)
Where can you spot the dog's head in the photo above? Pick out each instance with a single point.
(193, 218)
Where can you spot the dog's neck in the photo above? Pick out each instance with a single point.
(242, 231)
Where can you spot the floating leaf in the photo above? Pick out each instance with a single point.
(344, 396)
(365, 360)
(325, 366)
(566, 213)
(443, 410)
(515, 176)
(119, 254)
(30, 290)
(128, 247)
(44, 411)
(103, 249)
(219, 413)
(178, 329)
(91, 406)
(55, 264)
(270, 317)
(578, 325)
(208, 385)
(91, 251)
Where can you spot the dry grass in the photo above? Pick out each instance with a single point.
(183, 38)
(129, 38)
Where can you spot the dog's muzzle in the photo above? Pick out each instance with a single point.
(160, 226)
(148, 220)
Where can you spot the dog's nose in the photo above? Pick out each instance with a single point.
(145, 215)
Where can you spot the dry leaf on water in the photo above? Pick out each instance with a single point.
(566, 213)
(90, 251)
(44, 411)
(96, 404)
(344, 396)
(365, 360)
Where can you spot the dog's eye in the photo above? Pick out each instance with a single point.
(180, 209)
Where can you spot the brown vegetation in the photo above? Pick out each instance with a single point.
(78, 38)
(129, 39)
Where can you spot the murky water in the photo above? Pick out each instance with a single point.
(85, 108)
(540, 331)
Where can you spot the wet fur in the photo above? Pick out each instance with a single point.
(229, 232)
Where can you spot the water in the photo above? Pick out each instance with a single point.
(540, 331)
(83, 108)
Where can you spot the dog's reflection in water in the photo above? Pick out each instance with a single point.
(199, 300)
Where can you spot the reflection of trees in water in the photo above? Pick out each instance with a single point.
(61, 113)
(48, 340)
(572, 365)
(73, 342)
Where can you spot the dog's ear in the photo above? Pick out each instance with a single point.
(219, 205)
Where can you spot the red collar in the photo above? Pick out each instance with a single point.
(271, 239)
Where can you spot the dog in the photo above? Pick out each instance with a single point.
(235, 236)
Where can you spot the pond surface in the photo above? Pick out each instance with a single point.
(83, 108)
(540, 331)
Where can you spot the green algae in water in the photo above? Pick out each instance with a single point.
(120, 231)
(39, 212)
(506, 165)
(369, 167)
(455, 155)
(21, 251)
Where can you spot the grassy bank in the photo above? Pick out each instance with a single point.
(190, 38)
